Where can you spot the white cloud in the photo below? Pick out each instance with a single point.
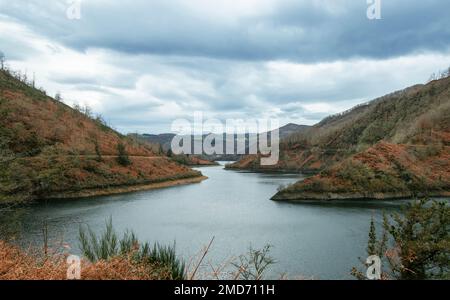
(146, 92)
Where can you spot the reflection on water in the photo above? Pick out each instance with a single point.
(323, 240)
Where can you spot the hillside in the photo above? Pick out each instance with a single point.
(413, 123)
(393, 147)
(50, 150)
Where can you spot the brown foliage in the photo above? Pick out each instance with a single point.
(56, 148)
(18, 265)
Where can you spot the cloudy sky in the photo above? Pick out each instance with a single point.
(142, 64)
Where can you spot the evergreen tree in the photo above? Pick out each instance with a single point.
(418, 241)
(97, 151)
(372, 244)
(123, 158)
(2, 60)
(58, 97)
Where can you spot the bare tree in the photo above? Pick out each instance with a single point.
(25, 77)
(58, 97)
(2, 60)
(432, 77)
(87, 111)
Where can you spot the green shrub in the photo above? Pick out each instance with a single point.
(123, 158)
(414, 245)
(97, 151)
(164, 256)
(108, 245)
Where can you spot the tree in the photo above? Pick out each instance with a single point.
(432, 77)
(78, 108)
(123, 158)
(100, 120)
(161, 150)
(87, 111)
(2, 60)
(372, 244)
(414, 245)
(254, 264)
(25, 77)
(58, 97)
(97, 151)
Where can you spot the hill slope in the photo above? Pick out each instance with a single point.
(393, 147)
(48, 149)
(414, 124)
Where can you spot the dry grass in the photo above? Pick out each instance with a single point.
(18, 265)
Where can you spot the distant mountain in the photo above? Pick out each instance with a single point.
(165, 141)
(291, 128)
(49, 150)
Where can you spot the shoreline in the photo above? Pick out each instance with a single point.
(272, 171)
(334, 197)
(123, 189)
(206, 165)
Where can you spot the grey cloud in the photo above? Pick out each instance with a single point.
(80, 82)
(304, 31)
(160, 54)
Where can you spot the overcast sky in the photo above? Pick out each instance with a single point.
(142, 64)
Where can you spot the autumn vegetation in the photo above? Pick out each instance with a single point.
(49, 149)
(19, 265)
(396, 146)
(107, 255)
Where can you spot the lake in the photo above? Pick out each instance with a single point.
(322, 240)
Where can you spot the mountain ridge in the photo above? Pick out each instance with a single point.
(165, 140)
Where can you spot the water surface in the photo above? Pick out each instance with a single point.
(322, 240)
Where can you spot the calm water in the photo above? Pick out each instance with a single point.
(322, 241)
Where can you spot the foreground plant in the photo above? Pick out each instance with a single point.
(413, 245)
(16, 264)
(254, 264)
(108, 246)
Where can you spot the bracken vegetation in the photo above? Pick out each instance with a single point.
(395, 146)
(19, 265)
(49, 149)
